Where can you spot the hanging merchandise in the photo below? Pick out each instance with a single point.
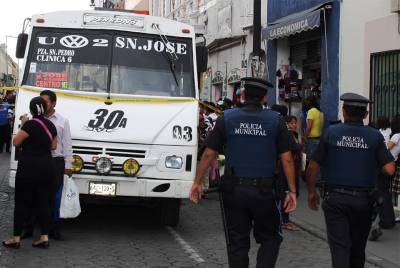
(292, 85)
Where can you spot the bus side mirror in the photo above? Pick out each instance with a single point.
(21, 45)
(202, 58)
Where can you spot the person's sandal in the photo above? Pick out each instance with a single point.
(15, 245)
(289, 226)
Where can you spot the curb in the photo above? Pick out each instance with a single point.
(318, 232)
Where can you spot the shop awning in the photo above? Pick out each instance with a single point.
(294, 23)
(222, 43)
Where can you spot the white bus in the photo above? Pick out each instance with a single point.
(128, 85)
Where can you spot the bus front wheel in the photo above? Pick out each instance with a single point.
(169, 211)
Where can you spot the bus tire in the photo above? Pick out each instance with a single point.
(169, 210)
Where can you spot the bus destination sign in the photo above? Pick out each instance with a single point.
(113, 20)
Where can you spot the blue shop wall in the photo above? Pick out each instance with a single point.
(330, 86)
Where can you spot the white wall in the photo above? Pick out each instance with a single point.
(380, 35)
(354, 16)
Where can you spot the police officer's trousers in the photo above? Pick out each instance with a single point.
(245, 207)
(348, 222)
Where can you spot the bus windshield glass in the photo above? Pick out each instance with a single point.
(110, 61)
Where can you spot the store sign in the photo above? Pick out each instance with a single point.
(289, 27)
(218, 78)
(224, 18)
(234, 76)
(114, 20)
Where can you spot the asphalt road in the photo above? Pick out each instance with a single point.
(132, 236)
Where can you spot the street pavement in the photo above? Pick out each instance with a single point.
(131, 236)
(385, 252)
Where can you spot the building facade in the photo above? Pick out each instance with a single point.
(226, 26)
(303, 53)
(8, 68)
(327, 48)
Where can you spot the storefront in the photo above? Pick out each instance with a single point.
(303, 53)
(217, 86)
(234, 89)
(206, 85)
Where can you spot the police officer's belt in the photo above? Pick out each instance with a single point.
(352, 192)
(257, 182)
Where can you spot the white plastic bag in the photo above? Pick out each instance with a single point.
(303, 162)
(70, 205)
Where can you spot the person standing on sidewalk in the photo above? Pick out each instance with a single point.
(315, 123)
(394, 147)
(386, 215)
(62, 156)
(253, 138)
(350, 154)
(35, 172)
(5, 127)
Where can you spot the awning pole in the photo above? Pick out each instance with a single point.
(326, 45)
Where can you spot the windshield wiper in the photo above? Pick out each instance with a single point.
(171, 55)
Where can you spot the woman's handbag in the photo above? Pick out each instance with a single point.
(70, 205)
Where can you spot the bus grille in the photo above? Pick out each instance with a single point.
(119, 156)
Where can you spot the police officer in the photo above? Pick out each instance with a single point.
(252, 138)
(351, 154)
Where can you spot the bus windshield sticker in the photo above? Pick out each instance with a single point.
(52, 80)
(114, 20)
(32, 67)
(149, 52)
(71, 48)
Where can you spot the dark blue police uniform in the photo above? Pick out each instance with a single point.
(252, 138)
(351, 155)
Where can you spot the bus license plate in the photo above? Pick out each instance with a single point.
(108, 189)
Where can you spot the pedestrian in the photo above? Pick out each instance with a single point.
(383, 124)
(35, 172)
(386, 216)
(394, 147)
(211, 116)
(5, 127)
(315, 123)
(62, 156)
(350, 154)
(253, 139)
(286, 223)
(296, 149)
(303, 118)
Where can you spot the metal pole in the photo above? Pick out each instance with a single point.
(326, 45)
(257, 28)
(225, 94)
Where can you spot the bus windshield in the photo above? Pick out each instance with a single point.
(110, 61)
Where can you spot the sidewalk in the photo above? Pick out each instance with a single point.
(384, 253)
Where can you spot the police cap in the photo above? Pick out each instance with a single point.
(257, 86)
(352, 99)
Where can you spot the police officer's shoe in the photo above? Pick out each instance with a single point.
(56, 235)
(375, 234)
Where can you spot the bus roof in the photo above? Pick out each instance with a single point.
(112, 20)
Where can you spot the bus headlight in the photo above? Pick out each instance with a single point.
(77, 163)
(174, 162)
(103, 165)
(130, 167)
